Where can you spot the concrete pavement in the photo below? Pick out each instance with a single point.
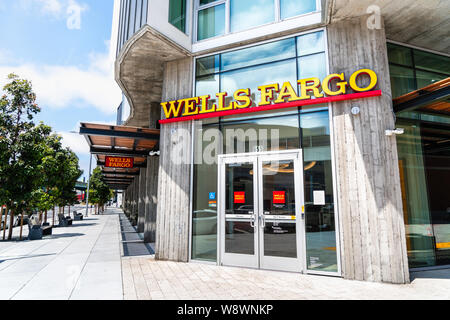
(77, 262)
(89, 261)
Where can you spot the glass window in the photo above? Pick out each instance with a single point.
(203, 2)
(177, 14)
(265, 53)
(402, 80)
(399, 55)
(211, 22)
(207, 65)
(247, 14)
(310, 43)
(204, 215)
(431, 62)
(312, 66)
(291, 8)
(321, 252)
(252, 77)
(425, 78)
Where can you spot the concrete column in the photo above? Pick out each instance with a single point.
(369, 203)
(141, 200)
(172, 221)
(151, 199)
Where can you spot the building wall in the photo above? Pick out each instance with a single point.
(369, 196)
(172, 221)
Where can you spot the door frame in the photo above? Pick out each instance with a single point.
(293, 154)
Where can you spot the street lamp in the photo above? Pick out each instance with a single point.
(89, 180)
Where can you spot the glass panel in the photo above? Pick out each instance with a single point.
(177, 14)
(207, 65)
(247, 14)
(137, 24)
(239, 234)
(265, 53)
(402, 80)
(432, 62)
(425, 78)
(269, 134)
(399, 54)
(253, 77)
(310, 43)
(279, 200)
(419, 232)
(291, 8)
(319, 204)
(312, 66)
(203, 2)
(204, 216)
(211, 22)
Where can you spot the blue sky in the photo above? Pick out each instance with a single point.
(63, 47)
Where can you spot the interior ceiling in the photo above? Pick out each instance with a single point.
(423, 23)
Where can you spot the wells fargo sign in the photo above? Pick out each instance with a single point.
(273, 97)
(119, 162)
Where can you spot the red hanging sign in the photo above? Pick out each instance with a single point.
(119, 162)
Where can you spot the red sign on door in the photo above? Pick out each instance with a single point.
(279, 197)
(239, 197)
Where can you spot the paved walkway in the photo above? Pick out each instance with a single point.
(148, 279)
(77, 262)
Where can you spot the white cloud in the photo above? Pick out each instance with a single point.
(75, 142)
(64, 86)
(70, 10)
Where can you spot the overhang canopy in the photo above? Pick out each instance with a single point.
(433, 99)
(110, 140)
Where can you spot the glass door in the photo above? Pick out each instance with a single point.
(238, 207)
(260, 211)
(280, 216)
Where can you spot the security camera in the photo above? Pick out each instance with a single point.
(395, 131)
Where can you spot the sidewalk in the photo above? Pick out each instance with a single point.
(77, 262)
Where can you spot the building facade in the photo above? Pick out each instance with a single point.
(261, 169)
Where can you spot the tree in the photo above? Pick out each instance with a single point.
(99, 192)
(21, 146)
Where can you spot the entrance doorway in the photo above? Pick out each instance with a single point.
(261, 210)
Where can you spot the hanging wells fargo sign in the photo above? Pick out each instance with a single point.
(119, 162)
(272, 97)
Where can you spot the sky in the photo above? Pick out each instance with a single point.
(63, 48)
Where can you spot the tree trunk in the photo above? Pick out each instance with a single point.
(53, 216)
(45, 216)
(21, 226)
(4, 225)
(1, 216)
(11, 222)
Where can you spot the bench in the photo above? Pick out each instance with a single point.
(77, 216)
(64, 221)
(47, 229)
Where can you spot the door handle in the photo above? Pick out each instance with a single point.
(252, 220)
(262, 221)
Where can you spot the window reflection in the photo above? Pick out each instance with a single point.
(247, 14)
(211, 22)
(291, 8)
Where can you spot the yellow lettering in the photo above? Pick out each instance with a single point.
(221, 102)
(287, 92)
(326, 84)
(190, 106)
(204, 107)
(243, 96)
(309, 84)
(267, 93)
(174, 109)
(373, 80)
